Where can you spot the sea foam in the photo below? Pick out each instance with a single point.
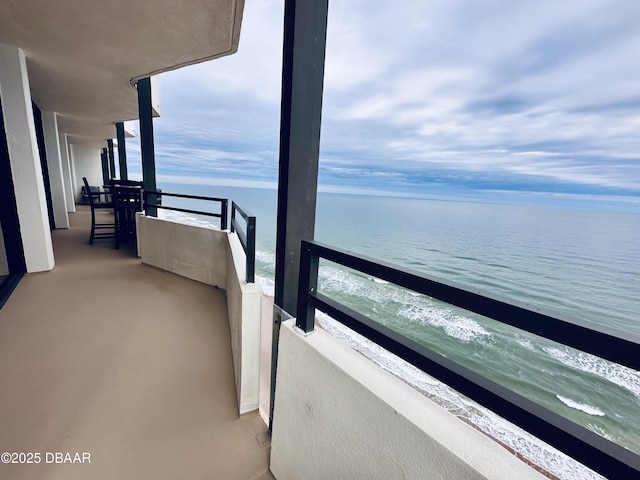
(619, 375)
(266, 260)
(380, 281)
(456, 326)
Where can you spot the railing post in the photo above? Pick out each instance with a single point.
(147, 149)
(307, 283)
(112, 160)
(105, 166)
(233, 216)
(224, 214)
(305, 32)
(122, 151)
(251, 249)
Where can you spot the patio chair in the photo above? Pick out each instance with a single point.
(96, 203)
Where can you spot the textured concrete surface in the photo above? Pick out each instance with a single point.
(125, 362)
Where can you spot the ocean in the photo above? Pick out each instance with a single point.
(582, 263)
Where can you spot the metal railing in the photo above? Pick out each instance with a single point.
(224, 205)
(247, 238)
(594, 451)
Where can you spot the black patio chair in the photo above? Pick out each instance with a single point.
(85, 195)
(96, 203)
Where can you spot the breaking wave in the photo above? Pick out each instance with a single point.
(583, 407)
(185, 218)
(418, 309)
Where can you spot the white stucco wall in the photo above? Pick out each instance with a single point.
(338, 415)
(244, 302)
(130, 126)
(193, 252)
(26, 170)
(86, 163)
(214, 257)
(155, 95)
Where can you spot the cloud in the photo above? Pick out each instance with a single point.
(496, 95)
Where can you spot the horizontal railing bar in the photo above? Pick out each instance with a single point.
(592, 450)
(197, 212)
(223, 205)
(181, 195)
(604, 342)
(242, 236)
(245, 214)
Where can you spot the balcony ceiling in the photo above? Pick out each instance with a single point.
(83, 58)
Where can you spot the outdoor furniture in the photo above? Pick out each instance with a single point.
(100, 229)
(127, 200)
(124, 183)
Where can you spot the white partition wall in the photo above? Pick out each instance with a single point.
(25, 161)
(86, 163)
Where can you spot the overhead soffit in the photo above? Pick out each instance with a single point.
(83, 57)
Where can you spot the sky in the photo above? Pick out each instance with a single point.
(518, 100)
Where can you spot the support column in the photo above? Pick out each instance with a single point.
(105, 167)
(122, 151)
(145, 113)
(54, 162)
(24, 158)
(66, 173)
(305, 30)
(305, 34)
(112, 159)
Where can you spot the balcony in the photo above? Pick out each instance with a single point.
(126, 362)
(145, 369)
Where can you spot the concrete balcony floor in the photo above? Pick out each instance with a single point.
(125, 362)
